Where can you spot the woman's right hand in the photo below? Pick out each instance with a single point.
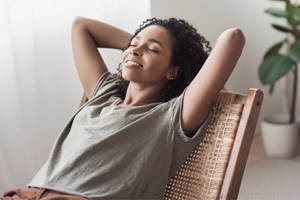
(87, 36)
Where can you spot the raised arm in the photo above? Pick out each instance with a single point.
(87, 36)
(211, 79)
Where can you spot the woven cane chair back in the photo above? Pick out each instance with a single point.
(215, 167)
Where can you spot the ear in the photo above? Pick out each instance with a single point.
(173, 73)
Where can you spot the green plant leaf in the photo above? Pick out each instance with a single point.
(296, 15)
(294, 51)
(281, 28)
(274, 67)
(277, 13)
(274, 49)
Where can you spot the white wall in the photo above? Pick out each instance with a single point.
(211, 17)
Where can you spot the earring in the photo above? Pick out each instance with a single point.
(170, 77)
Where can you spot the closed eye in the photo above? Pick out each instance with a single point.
(152, 50)
(132, 45)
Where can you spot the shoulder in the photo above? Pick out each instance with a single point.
(106, 83)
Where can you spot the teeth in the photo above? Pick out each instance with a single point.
(130, 62)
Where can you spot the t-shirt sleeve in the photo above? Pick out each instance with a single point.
(176, 106)
(106, 84)
(183, 145)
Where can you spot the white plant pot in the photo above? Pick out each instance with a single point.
(280, 140)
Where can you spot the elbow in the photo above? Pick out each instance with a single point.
(79, 27)
(236, 35)
(78, 22)
(240, 35)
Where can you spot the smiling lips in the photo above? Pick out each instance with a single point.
(131, 62)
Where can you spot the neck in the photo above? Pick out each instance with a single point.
(137, 95)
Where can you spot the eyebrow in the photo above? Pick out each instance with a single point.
(152, 40)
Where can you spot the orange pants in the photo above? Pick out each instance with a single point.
(37, 193)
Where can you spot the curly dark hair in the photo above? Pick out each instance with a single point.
(190, 50)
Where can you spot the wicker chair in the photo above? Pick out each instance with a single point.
(215, 168)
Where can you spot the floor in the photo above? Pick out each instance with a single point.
(270, 178)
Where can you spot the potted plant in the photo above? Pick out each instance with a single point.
(279, 132)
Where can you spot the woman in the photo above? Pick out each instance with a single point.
(137, 128)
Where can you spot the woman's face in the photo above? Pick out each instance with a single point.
(147, 60)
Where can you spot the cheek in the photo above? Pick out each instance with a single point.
(124, 54)
(163, 63)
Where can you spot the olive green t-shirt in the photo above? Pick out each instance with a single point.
(109, 151)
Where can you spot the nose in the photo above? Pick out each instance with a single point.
(136, 51)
